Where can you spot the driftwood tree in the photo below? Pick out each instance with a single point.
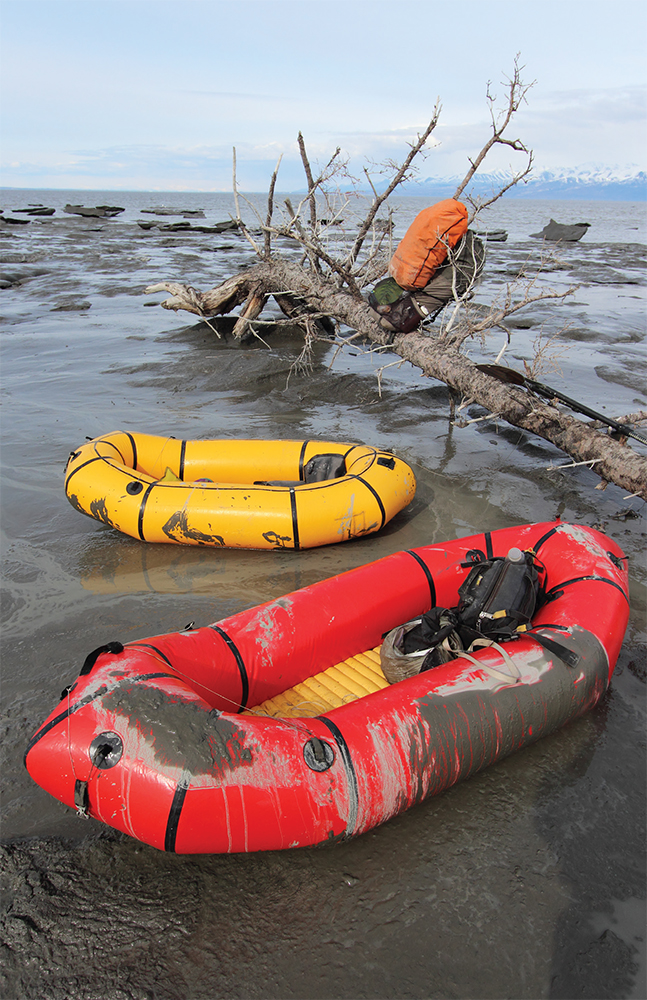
(318, 284)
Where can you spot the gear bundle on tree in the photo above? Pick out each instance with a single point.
(425, 245)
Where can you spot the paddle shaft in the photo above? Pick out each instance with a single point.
(516, 378)
(545, 390)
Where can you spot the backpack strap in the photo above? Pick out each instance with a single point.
(514, 675)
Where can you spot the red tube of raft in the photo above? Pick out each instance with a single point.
(150, 738)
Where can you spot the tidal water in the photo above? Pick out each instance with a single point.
(526, 881)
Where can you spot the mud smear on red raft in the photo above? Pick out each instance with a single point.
(470, 730)
(183, 734)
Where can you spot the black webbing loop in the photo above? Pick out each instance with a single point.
(81, 799)
(91, 658)
(568, 656)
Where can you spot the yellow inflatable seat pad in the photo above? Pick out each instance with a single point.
(344, 682)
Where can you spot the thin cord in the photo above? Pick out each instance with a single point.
(224, 697)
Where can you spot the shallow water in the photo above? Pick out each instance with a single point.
(526, 881)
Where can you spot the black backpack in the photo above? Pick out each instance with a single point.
(496, 600)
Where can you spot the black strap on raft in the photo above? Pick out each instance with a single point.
(91, 658)
(81, 800)
(569, 657)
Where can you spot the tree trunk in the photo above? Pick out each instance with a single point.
(614, 461)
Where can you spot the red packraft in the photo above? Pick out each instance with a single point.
(424, 247)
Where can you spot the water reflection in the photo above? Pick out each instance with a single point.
(110, 563)
(124, 568)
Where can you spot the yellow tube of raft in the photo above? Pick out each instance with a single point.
(224, 492)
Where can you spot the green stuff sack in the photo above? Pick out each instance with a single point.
(385, 293)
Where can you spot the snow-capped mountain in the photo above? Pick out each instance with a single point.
(589, 181)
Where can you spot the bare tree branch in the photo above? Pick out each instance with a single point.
(330, 287)
(270, 211)
(311, 186)
(241, 225)
(397, 179)
(517, 91)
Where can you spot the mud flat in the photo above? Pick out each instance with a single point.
(526, 881)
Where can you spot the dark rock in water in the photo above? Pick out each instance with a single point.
(109, 210)
(36, 210)
(80, 210)
(100, 212)
(10, 278)
(186, 213)
(220, 227)
(14, 222)
(71, 305)
(183, 227)
(492, 235)
(557, 231)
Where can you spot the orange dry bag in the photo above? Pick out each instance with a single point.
(426, 242)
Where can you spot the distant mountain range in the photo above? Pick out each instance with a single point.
(586, 183)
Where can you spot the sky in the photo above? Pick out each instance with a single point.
(153, 94)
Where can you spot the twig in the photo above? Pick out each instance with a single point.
(475, 420)
(311, 186)
(506, 344)
(636, 419)
(241, 225)
(270, 210)
(572, 465)
(217, 333)
(379, 372)
(317, 252)
(327, 172)
(395, 181)
(517, 91)
(235, 186)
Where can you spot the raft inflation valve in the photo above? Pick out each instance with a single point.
(134, 486)
(318, 755)
(106, 750)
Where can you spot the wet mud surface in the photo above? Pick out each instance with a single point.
(525, 881)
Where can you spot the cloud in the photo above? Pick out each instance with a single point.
(230, 95)
(564, 128)
(156, 167)
(576, 126)
(629, 102)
